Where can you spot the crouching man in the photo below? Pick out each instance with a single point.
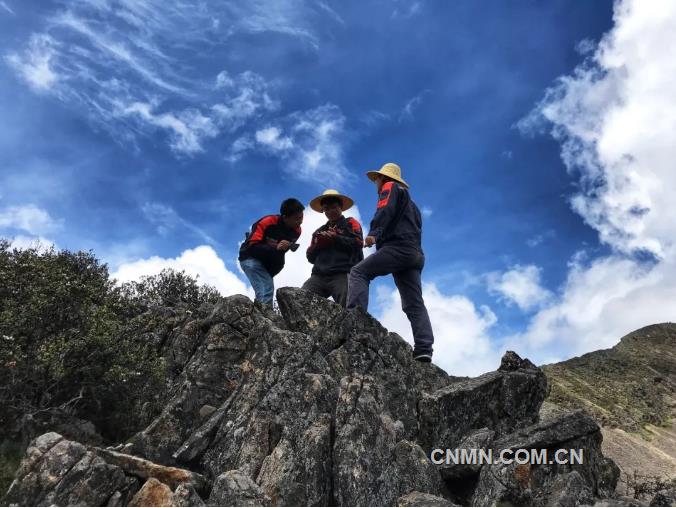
(335, 248)
(261, 256)
(396, 232)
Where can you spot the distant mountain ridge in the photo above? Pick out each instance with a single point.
(630, 389)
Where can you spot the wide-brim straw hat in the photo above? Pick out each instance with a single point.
(391, 170)
(345, 202)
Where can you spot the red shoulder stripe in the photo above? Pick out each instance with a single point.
(356, 227)
(260, 227)
(385, 193)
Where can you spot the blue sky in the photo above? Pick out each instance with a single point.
(155, 133)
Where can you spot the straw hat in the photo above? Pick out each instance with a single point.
(390, 169)
(345, 202)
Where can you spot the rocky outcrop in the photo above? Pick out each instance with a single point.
(324, 408)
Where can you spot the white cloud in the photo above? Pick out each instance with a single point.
(116, 49)
(187, 129)
(6, 7)
(615, 118)
(426, 211)
(310, 145)
(409, 10)
(461, 343)
(40, 243)
(600, 303)
(411, 105)
(520, 285)
(113, 61)
(247, 96)
(202, 262)
(538, 239)
(167, 219)
(29, 218)
(35, 65)
(270, 137)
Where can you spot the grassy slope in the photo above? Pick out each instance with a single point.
(628, 386)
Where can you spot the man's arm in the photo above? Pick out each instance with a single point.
(352, 239)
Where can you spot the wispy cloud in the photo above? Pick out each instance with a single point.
(121, 62)
(187, 129)
(166, 219)
(539, 239)
(324, 6)
(310, 144)
(407, 112)
(409, 9)
(29, 218)
(35, 64)
(7, 8)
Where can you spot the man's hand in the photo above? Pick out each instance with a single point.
(370, 241)
(283, 245)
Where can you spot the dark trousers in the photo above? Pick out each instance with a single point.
(405, 263)
(329, 285)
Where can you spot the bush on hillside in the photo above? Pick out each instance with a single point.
(168, 288)
(70, 344)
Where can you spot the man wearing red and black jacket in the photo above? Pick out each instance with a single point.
(261, 256)
(396, 231)
(336, 247)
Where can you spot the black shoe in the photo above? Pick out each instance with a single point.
(422, 357)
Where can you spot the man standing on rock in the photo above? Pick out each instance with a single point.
(336, 247)
(261, 256)
(396, 232)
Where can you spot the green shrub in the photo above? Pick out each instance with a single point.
(70, 342)
(168, 288)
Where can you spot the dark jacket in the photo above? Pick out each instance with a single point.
(339, 254)
(261, 242)
(397, 219)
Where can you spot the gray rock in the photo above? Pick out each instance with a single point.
(570, 490)
(186, 495)
(665, 497)
(549, 483)
(620, 501)
(206, 411)
(62, 472)
(501, 401)
(234, 488)
(476, 440)
(408, 468)
(416, 498)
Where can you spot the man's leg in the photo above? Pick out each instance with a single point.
(317, 284)
(261, 280)
(412, 303)
(384, 261)
(339, 288)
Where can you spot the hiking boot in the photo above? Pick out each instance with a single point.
(422, 357)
